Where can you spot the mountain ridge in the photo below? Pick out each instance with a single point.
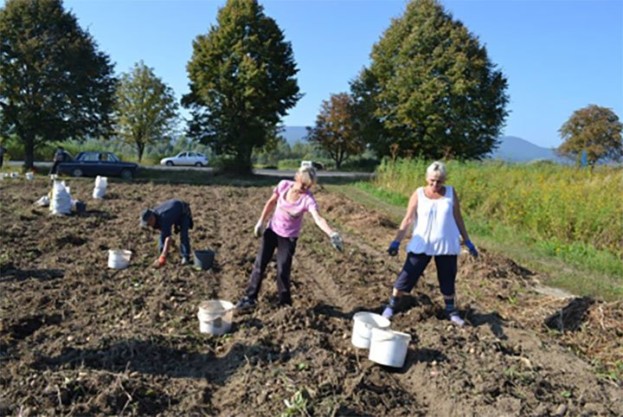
(510, 149)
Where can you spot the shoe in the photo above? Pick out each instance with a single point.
(185, 261)
(388, 312)
(285, 300)
(246, 304)
(456, 319)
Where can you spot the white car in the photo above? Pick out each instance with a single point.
(186, 158)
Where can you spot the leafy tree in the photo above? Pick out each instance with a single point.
(368, 126)
(54, 84)
(334, 131)
(595, 130)
(241, 81)
(275, 149)
(433, 88)
(146, 109)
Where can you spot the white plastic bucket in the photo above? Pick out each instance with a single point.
(215, 317)
(119, 258)
(363, 323)
(99, 191)
(389, 347)
(101, 181)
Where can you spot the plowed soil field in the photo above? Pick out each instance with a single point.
(80, 339)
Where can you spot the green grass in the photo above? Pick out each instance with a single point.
(576, 267)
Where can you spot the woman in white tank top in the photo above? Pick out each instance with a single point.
(438, 227)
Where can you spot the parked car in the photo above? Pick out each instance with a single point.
(186, 158)
(93, 163)
(317, 165)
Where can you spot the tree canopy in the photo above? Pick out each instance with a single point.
(146, 110)
(241, 81)
(431, 88)
(593, 130)
(335, 131)
(54, 84)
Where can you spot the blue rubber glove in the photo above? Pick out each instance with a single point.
(393, 248)
(472, 248)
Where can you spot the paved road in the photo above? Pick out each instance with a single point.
(265, 172)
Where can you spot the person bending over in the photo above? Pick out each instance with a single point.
(166, 217)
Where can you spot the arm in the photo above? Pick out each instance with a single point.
(166, 246)
(458, 217)
(461, 225)
(336, 238)
(405, 224)
(162, 259)
(408, 219)
(258, 230)
(321, 222)
(270, 205)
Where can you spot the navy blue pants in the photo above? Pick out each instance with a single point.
(286, 246)
(416, 264)
(185, 224)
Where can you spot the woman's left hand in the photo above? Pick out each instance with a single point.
(472, 249)
(336, 241)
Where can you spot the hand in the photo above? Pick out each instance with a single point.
(160, 262)
(258, 230)
(471, 248)
(336, 241)
(393, 248)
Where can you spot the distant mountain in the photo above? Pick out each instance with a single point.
(514, 149)
(511, 149)
(293, 134)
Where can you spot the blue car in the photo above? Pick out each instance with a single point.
(93, 163)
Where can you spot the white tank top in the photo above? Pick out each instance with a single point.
(435, 231)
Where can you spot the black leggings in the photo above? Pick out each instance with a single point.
(285, 252)
(414, 267)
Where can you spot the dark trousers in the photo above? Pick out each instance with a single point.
(285, 252)
(185, 225)
(414, 267)
(54, 167)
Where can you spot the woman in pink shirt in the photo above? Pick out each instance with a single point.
(290, 201)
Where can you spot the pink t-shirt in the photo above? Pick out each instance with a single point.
(287, 219)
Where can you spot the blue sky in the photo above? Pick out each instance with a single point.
(558, 55)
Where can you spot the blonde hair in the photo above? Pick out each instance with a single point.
(435, 167)
(307, 175)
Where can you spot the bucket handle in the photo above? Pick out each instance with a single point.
(221, 313)
(392, 337)
(367, 326)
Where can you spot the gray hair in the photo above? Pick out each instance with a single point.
(307, 175)
(436, 166)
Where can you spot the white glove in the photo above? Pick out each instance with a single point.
(336, 241)
(258, 230)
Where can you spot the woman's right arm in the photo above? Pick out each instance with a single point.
(268, 208)
(408, 219)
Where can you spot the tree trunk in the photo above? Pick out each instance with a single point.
(29, 153)
(140, 150)
(243, 160)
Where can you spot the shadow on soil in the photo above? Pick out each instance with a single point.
(16, 275)
(493, 320)
(150, 357)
